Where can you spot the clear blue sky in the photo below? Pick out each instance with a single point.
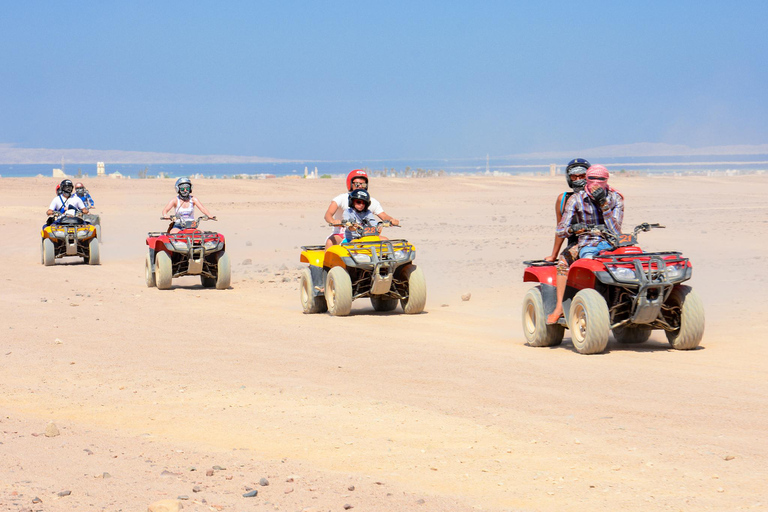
(366, 80)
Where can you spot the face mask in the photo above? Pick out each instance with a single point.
(578, 184)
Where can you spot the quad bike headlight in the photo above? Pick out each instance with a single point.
(675, 271)
(623, 273)
(362, 258)
(212, 245)
(59, 233)
(401, 255)
(82, 233)
(180, 246)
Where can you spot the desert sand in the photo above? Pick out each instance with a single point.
(447, 410)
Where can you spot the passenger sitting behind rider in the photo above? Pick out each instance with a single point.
(364, 222)
(184, 204)
(597, 204)
(65, 203)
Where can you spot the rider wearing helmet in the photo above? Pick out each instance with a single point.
(359, 214)
(184, 204)
(83, 194)
(575, 176)
(65, 203)
(595, 204)
(357, 179)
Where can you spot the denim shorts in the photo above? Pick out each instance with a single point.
(591, 252)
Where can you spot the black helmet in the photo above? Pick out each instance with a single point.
(66, 187)
(186, 191)
(360, 194)
(576, 166)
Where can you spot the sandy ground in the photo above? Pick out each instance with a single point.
(446, 410)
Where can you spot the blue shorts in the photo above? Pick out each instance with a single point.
(591, 252)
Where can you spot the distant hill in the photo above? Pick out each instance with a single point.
(13, 155)
(650, 149)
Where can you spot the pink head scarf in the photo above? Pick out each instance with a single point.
(597, 176)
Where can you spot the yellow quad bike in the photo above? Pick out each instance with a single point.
(366, 267)
(69, 235)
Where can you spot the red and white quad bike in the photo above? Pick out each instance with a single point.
(189, 252)
(624, 290)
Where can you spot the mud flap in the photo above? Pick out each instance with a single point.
(318, 280)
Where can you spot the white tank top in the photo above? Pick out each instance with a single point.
(185, 213)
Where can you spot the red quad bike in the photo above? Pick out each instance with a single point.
(188, 252)
(624, 290)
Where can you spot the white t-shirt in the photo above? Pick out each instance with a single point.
(342, 201)
(72, 200)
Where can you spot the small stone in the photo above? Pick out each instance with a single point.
(63, 493)
(51, 430)
(248, 243)
(420, 502)
(36, 500)
(58, 341)
(443, 305)
(251, 494)
(351, 488)
(263, 482)
(729, 457)
(248, 261)
(218, 468)
(183, 497)
(720, 489)
(196, 488)
(288, 491)
(347, 506)
(106, 475)
(209, 472)
(286, 279)
(466, 297)
(228, 477)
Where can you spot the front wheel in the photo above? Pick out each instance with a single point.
(94, 257)
(537, 332)
(49, 253)
(223, 271)
(338, 292)
(589, 322)
(310, 302)
(417, 290)
(163, 271)
(149, 275)
(686, 311)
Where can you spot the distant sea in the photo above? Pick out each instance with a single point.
(653, 165)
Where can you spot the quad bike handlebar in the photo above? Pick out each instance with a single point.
(174, 218)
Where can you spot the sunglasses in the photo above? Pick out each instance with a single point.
(358, 201)
(186, 188)
(360, 184)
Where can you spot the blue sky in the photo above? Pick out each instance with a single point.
(364, 80)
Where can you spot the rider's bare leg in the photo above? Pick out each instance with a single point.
(333, 240)
(558, 312)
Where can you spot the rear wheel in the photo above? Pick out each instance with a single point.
(338, 292)
(149, 275)
(537, 332)
(207, 282)
(223, 271)
(94, 257)
(631, 334)
(417, 290)
(589, 322)
(163, 271)
(687, 312)
(310, 302)
(49, 253)
(381, 304)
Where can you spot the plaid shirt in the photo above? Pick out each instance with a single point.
(581, 209)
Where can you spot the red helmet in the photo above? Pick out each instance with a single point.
(357, 173)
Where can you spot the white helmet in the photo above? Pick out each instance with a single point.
(187, 191)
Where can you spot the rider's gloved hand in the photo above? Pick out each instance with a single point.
(600, 196)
